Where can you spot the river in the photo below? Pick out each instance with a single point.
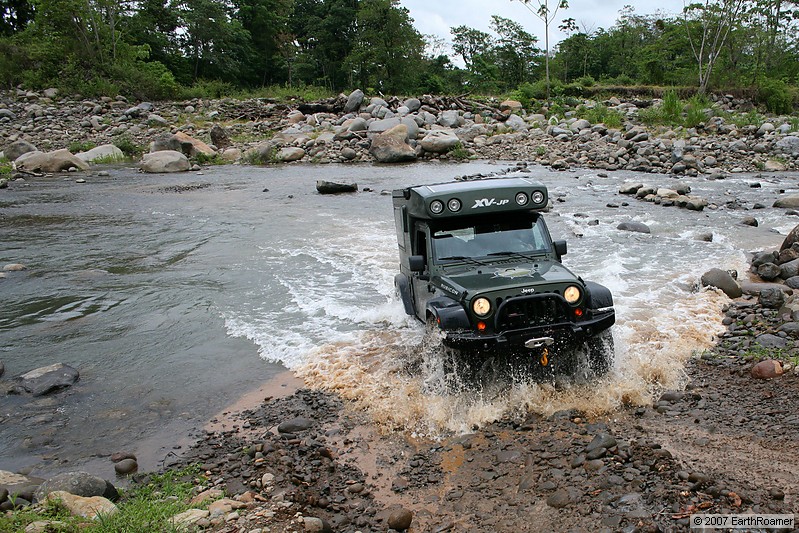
(174, 295)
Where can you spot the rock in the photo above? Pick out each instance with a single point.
(2, 371)
(602, 440)
(400, 519)
(392, 146)
(771, 298)
(219, 137)
(769, 271)
(559, 499)
(329, 187)
(164, 161)
(793, 282)
(413, 104)
(787, 202)
(79, 484)
(773, 165)
(48, 379)
(315, 525)
(516, 123)
(721, 279)
(788, 145)
(189, 518)
(14, 267)
(3, 183)
(449, 119)
(637, 227)
(17, 148)
(126, 466)
(749, 221)
(354, 101)
(231, 154)
(87, 507)
(191, 146)
(121, 456)
(767, 340)
(289, 154)
(106, 153)
(511, 106)
(294, 425)
(348, 153)
(789, 269)
(166, 142)
(792, 237)
(440, 141)
(767, 369)
(45, 526)
(50, 162)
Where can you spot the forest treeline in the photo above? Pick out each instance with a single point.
(159, 49)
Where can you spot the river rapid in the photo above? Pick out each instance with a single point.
(174, 295)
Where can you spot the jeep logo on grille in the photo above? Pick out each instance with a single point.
(529, 290)
(488, 202)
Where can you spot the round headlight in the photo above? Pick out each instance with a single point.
(481, 306)
(436, 207)
(572, 294)
(522, 198)
(454, 205)
(538, 197)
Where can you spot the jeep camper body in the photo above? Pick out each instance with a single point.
(478, 262)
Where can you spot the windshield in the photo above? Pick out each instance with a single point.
(527, 236)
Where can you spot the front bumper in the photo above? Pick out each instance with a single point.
(562, 333)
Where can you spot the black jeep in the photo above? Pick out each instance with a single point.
(477, 261)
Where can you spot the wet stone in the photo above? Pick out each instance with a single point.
(602, 440)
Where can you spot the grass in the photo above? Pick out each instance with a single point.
(5, 167)
(128, 147)
(673, 111)
(214, 159)
(81, 146)
(144, 508)
(601, 114)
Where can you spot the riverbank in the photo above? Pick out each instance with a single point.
(727, 136)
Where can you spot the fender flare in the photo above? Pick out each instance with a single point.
(448, 313)
(403, 288)
(599, 296)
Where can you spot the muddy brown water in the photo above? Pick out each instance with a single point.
(176, 295)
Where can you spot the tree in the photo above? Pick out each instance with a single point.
(14, 16)
(708, 25)
(547, 16)
(515, 51)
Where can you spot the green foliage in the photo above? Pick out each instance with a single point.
(5, 167)
(776, 95)
(214, 159)
(673, 111)
(128, 147)
(80, 146)
(601, 114)
(459, 152)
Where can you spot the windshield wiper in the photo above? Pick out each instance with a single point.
(461, 258)
(526, 255)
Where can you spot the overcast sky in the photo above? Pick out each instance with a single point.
(436, 17)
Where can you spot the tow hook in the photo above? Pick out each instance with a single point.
(540, 342)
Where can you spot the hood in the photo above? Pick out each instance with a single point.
(507, 275)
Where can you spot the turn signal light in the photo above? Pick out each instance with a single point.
(481, 326)
(578, 312)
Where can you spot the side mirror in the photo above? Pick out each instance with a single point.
(560, 248)
(416, 263)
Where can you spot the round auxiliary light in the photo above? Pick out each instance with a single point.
(436, 207)
(522, 198)
(481, 307)
(454, 205)
(538, 197)
(572, 294)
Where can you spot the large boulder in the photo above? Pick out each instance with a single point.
(166, 142)
(721, 279)
(164, 161)
(790, 239)
(47, 379)
(440, 141)
(289, 154)
(376, 127)
(354, 101)
(50, 161)
(450, 119)
(92, 508)
(788, 202)
(392, 146)
(191, 146)
(636, 227)
(329, 187)
(788, 145)
(219, 137)
(17, 148)
(78, 483)
(106, 153)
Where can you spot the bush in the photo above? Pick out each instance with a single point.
(601, 114)
(585, 81)
(128, 147)
(775, 95)
(80, 146)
